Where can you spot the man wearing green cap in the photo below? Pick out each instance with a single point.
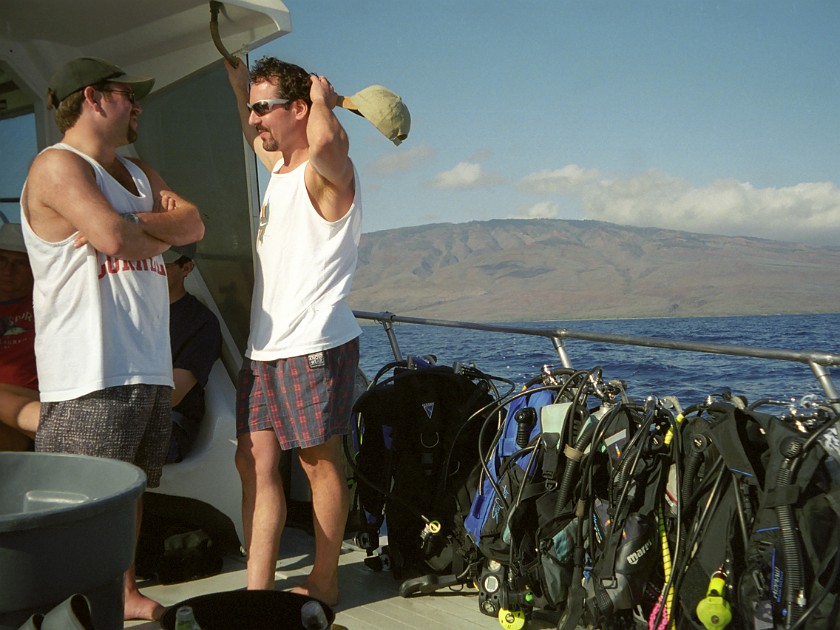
(95, 226)
(296, 385)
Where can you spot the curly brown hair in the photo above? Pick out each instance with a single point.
(292, 82)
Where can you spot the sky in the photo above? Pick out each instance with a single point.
(709, 116)
(720, 117)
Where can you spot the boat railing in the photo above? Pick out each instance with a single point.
(818, 361)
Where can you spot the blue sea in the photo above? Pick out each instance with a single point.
(689, 376)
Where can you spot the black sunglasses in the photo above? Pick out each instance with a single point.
(261, 108)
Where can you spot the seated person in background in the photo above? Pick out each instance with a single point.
(196, 341)
(194, 335)
(18, 376)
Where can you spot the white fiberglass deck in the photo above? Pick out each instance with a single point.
(369, 600)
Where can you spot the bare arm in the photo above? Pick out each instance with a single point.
(175, 220)
(330, 180)
(239, 80)
(62, 198)
(184, 382)
(19, 408)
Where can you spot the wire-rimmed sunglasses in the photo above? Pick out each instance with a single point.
(129, 93)
(261, 108)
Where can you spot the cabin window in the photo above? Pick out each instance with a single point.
(18, 142)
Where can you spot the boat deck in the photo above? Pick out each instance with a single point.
(369, 600)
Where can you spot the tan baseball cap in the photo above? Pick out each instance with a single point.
(78, 74)
(384, 109)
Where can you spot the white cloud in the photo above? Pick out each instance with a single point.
(568, 179)
(465, 175)
(541, 210)
(807, 212)
(400, 161)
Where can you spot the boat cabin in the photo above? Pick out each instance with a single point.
(189, 131)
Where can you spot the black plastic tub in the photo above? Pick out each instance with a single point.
(246, 610)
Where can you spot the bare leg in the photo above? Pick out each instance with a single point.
(263, 504)
(330, 505)
(137, 605)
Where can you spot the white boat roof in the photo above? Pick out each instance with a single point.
(166, 39)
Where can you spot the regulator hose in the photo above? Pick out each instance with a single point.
(692, 465)
(794, 587)
(572, 466)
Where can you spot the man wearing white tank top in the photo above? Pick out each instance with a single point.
(95, 226)
(295, 388)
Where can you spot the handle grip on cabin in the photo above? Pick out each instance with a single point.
(215, 7)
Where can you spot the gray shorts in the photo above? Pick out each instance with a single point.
(130, 423)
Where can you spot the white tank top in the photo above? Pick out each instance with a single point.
(99, 321)
(304, 269)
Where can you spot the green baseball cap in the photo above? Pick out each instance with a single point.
(78, 74)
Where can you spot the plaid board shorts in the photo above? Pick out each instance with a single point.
(306, 400)
(130, 423)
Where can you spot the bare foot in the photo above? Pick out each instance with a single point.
(138, 606)
(327, 595)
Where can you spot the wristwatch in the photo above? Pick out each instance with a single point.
(131, 217)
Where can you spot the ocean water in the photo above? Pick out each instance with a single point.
(689, 376)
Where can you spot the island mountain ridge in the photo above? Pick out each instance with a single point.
(556, 269)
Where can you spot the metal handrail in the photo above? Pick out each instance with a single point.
(818, 361)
